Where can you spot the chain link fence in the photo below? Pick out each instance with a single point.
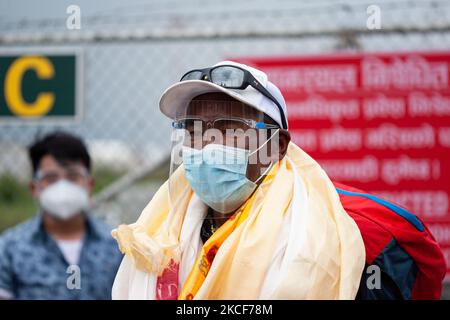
(131, 53)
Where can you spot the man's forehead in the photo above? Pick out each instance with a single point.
(220, 103)
(214, 96)
(50, 162)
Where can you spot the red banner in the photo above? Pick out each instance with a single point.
(379, 122)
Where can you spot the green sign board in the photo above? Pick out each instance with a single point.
(39, 86)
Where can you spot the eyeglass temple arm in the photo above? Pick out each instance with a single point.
(257, 85)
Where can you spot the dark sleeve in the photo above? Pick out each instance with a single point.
(388, 289)
(396, 271)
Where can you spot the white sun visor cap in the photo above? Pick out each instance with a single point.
(177, 97)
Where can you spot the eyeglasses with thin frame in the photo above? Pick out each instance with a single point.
(222, 124)
(52, 176)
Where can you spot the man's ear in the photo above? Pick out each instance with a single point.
(284, 139)
(91, 185)
(34, 189)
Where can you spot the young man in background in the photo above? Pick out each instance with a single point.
(63, 252)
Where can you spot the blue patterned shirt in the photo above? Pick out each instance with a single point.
(33, 267)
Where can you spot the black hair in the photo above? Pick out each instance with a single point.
(64, 147)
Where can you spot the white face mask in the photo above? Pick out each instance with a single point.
(64, 199)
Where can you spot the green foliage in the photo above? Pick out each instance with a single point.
(16, 202)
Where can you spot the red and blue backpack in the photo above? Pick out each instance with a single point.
(399, 243)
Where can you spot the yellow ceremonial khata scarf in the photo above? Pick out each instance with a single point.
(291, 239)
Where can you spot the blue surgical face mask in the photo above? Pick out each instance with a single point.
(217, 174)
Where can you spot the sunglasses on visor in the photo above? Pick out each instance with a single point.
(232, 77)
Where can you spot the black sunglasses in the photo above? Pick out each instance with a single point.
(232, 77)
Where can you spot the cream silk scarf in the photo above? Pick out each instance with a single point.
(291, 240)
